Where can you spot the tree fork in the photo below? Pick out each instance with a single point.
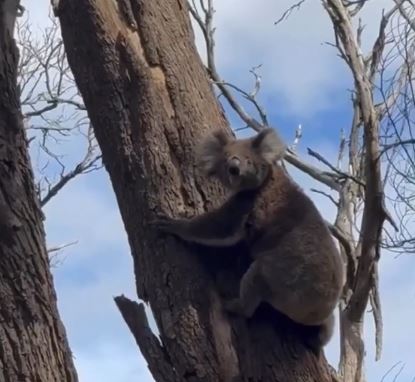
(149, 99)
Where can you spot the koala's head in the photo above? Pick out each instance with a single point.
(240, 164)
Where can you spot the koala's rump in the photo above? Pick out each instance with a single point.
(301, 275)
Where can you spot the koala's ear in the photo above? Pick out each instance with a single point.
(209, 152)
(269, 145)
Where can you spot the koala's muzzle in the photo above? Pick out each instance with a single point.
(234, 166)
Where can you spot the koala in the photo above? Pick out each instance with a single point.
(296, 267)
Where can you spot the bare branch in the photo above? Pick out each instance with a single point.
(249, 96)
(379, 45)
(391, 369)
(326, 178)
(404, 12)
(89, 163)
(326, 195)
(377, 313)
(288, 12)
(298, 136)
(341, 175)
(208, 33)
(55, 254)
(58, 248)
(373, 213)
(342, 147)
(52, 107)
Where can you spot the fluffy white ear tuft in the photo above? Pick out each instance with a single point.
(269, 145)
(209, 153)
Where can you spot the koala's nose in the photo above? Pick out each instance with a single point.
(233, 168)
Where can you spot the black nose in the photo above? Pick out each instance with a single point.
(234, 170)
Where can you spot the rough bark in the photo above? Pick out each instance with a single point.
(149, 100)
(33, 344)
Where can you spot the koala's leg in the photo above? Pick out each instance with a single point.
(326, 331)
(250, 293)
(323, 335)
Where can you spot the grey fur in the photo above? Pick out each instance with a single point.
(296, 266)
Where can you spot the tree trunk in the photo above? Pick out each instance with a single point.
(33, 344)
(149, 100)
(351, 338)
(352, 350)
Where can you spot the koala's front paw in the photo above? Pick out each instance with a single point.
(163, 223)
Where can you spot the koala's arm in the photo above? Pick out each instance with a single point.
(222, 227)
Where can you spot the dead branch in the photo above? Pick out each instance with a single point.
(55, 254)
(396, 112)
(341, 175)
(377, 313)
(329, 179)
(298, 136)
(379, 46)
(326, 195)
(405, 11)
(398, 143)
(135, 316)
(288, 11)
(373, 215)
(208, 33)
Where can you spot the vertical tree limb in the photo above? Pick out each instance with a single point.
(33, 344)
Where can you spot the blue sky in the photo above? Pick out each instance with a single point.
(303, 82)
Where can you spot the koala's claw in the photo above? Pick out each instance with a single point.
(162, 223)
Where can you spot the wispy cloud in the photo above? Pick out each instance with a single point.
(302, 75)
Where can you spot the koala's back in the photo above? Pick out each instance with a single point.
(295, 252)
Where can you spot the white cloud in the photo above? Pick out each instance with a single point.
(301, 74)
(298, 71)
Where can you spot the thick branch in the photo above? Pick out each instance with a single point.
(373, 213)
(135, 317)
